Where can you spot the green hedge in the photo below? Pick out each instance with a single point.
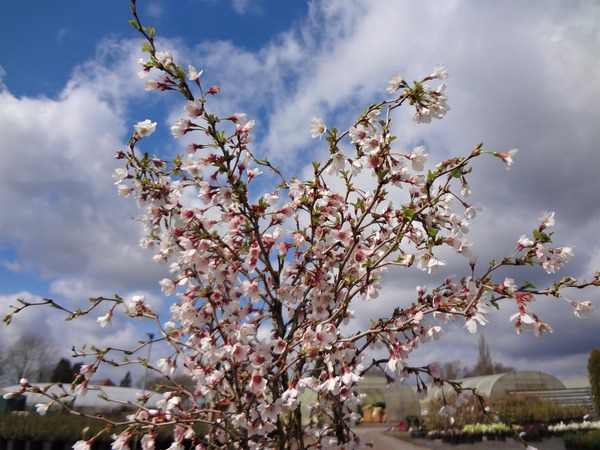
(583, 441)
(51, 427)
(57, 426)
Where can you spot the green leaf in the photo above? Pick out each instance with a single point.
(541, 236)
(430, 177)
(408, 212)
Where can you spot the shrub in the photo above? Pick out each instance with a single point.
(514, 410)
(583, 441)
(58, 427)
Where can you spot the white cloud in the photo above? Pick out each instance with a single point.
(68, 222)
(240, 6)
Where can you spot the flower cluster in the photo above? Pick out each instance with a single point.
(264, 285)
(429, 103)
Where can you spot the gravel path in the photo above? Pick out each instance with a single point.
(382, 440)
(386, 441)
(509, 444)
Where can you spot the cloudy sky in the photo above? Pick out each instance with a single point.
(523, 74)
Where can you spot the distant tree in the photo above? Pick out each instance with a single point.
(63, 372)
(453, 370)
(126, 381)
(30, 357)
(594, 373)
(162, 383)
(77, 368)
(485, 365)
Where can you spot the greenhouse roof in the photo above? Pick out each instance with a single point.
(95, 399)
(503, 383)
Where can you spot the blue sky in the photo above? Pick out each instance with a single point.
(42, 41)
(522, 74)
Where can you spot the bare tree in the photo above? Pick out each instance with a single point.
(453, 370)
(31, 357)
(485, 365)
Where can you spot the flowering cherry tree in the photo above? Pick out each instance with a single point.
(263, 279)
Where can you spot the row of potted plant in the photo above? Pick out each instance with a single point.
(582, 440)
(499, 431)
(472, 433)
(492, 429)
(562, 428)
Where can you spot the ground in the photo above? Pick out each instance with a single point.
(382, 440)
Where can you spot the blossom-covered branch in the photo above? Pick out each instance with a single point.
(265, 268)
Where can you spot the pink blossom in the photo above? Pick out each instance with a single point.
(524, 242)
(82, 445)
(120, 442)
(250, 289)
(194, 109)
(257, 383)
(165, 366)
(104, 321)
(427, 261)
(583, 309)
(239, 352)
(507, 157)
(193, 74)
(143, 73)
(394, 365)
(239, 119)
(181, 127)
(317, 127)
(361, 134)
(87, 370)
(167, 286)
(479, 317)
(331, 386)
(148, 442)
(418, 158)
(423, 115)
(245, 128)
(434, 332)
(152, 85)
(435, 369)
(439, 72)
(325, 335)
(547, 219)
(446, 410)
(463, 397)
(269, 411)
(177, 445)
(164, 58)
(145, 128)
(396, 83)
(279, 345)
(42, 408)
